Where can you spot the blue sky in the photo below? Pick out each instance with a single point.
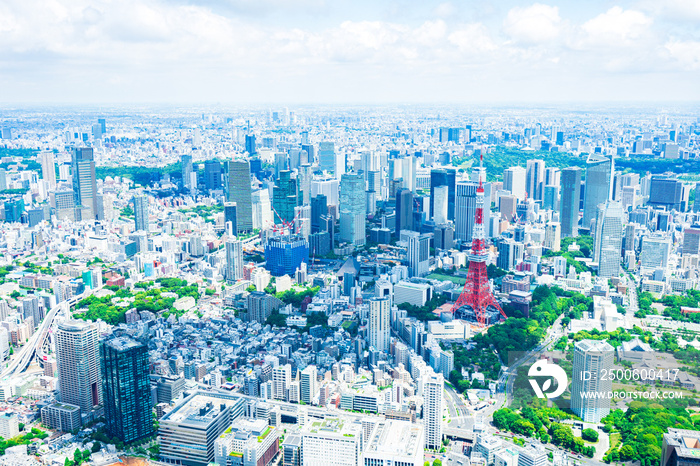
(339, 51)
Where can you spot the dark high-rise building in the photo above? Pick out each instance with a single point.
(666, 192)
(141, 212)
(534, 179)
(103, 125)
(126, 389)
(212, 174)
(284, 254)
(187, 169)
(319, 207)
(238, 190)
(256, 167)
(14, 209)
(599, 177)
(404, 210)
(250, 144)
(285, 197)
(443, 177)
(84, 182)
(230, 215)
(570, 201)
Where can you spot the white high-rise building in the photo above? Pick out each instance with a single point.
(534, 454)
(281, 380)
(552, 236)
(440, 196)
(655, 251)
(592, 360)
(514, 181)
(432, 388)
(234, 260)
(417, 252)
(78, 364)
(379, 317)
(608, 238)
(309, 384)
(48, 169)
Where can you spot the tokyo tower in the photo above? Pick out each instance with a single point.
(477, 292)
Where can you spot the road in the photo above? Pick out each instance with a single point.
(23, 359)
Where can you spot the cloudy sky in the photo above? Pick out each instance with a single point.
(348, 51)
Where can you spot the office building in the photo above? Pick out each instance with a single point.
(238, 190)
(352, 209)
(534, 179)
(285, 197)
(187, 172)
(231, 215)
(608, 239)
(655, 252)
(667, 193)
(394, 442)
(234, 260)
(696, 202)
(404, 211)
(691, 240)
(439, 202)
(379, 323)
(598, 189)
(465, 211)
(443, 177)
(212, 174)
(443, 236)
(309, 384)
(319, 208)
(250, 145)
(126, 389)
(570, 201)
(510, 253)
(326, 156)
(331, 442)
(514, 180)
(188, 432)
(284, 254)
(14, 208)
(78, 363)
(534, 454)
(432, 388)
(552, 236)
(48, 168)
(592, 360)
(141, 212)
(85, 183)
(417, 252)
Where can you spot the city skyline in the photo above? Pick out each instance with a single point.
(242, 52)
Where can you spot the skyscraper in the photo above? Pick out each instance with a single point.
(404, 210)
(78, 364)
(379, 316)
(433, 386)
(592, 360)
(48, 168)
(234, 260)
(352, 209)
(443, 177)
(126, 389)
(326, 156)
(608, 238)
(418, 253)
(281, 379)
(439, 202)
(84, 182)
(230, 215)
(238, 190)
(319, 208)
(465, 209)
(187, 171)
(250, 146)
(309, 384)
(285, 197)
(212, 174)
(598, 190)
(570, 201)
(535, 179)
(141, 212)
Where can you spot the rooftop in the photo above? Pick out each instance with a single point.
(397, 438)
(201, 409)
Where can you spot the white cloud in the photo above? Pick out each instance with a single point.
(687, 53)
(473, 38)
(616, 28)
(534, 24)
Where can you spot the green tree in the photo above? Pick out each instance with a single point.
(589, 434)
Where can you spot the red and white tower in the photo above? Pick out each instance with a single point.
(477, 292)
